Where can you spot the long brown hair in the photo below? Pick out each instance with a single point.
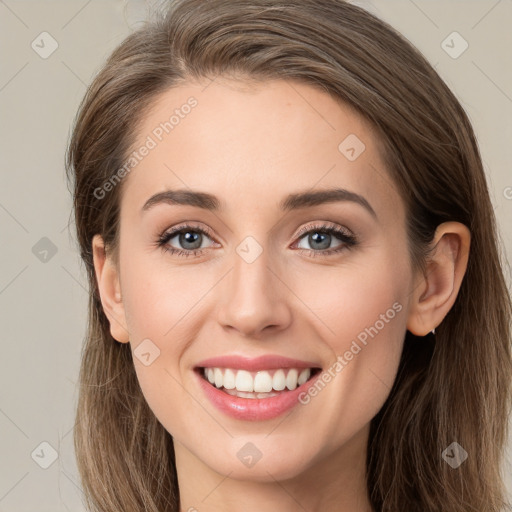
(455, 386)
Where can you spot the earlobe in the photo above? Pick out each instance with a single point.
(436, 291)
(109, 288)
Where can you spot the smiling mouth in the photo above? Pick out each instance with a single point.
(259, 384)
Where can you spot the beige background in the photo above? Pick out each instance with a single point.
(43, 303)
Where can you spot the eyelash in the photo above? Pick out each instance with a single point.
(348, 240)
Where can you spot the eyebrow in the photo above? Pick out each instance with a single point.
(291, 202)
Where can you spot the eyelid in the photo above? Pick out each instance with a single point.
(171, 232)
(335, 230)
(305, 229)
(319, 225)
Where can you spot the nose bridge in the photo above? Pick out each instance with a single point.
(252, 298)
(251, 273)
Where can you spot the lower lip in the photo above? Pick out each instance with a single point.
(253, 409)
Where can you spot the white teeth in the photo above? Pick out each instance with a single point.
(218, 377)
(261, 384)
(244, 381)
(291, 379)
(229, 379)
(243, 394)
(279, 380)
(304, 376)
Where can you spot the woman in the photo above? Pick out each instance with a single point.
(231, 363)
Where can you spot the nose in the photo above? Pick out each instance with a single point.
(254, 298)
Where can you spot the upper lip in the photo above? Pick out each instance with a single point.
(265, 362)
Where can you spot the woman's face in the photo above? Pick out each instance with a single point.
(270, 281)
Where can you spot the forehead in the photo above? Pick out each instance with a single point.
(255, 142)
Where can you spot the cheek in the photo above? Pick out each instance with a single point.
(159, 311)
(164, 308)
(361, 313)
(359, 294)
(158, 300)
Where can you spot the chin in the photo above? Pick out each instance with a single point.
(271, 461)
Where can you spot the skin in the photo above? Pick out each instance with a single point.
(251, 145)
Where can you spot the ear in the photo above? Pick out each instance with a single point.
(435, 292)
(109, 287)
